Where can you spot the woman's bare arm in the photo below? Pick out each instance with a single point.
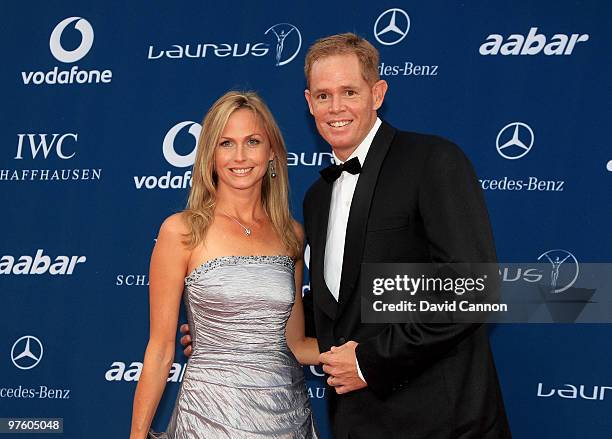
(166, 279)
(305, 349)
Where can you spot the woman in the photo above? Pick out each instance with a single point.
(237, 253)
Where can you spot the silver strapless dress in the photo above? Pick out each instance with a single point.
(241, 381)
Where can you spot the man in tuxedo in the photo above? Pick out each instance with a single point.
(392, 196)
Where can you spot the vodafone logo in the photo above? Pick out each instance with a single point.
(179, 136)
(175, 159)
(87, 37)
(73, 74)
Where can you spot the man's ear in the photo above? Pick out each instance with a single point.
(308, 97)
(378, 93)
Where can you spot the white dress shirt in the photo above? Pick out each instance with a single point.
(339, 208)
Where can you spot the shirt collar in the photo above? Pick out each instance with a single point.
(362, 150)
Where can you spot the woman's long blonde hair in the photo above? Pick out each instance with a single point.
(274, 192)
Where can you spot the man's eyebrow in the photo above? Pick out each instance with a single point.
(317, 90)
(326, 90)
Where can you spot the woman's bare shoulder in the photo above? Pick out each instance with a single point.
(175, 226)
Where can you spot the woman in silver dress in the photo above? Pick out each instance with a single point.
(236, 253)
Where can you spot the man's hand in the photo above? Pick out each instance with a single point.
(186, 339)
(341, 364)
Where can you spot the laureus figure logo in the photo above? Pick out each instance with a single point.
(562, 276)
(281, 31)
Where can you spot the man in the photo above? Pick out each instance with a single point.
(397, 197)
(415, 199)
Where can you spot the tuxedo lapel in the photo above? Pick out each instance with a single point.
(359, 213)
(322, 297)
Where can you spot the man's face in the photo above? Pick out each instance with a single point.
(342, 102)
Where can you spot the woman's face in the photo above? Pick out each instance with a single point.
(243, 151)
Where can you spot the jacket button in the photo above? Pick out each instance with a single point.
(341, 340)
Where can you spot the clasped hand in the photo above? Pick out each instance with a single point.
(340, 363)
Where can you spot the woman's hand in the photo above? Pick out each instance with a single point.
(186, 339)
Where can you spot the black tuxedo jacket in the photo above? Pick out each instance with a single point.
(417, 200)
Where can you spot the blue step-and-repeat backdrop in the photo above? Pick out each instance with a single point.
(102, 104)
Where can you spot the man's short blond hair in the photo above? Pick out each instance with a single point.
(345, 44)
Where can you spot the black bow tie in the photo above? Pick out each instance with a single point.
(331, 173)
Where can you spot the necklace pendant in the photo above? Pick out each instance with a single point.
(247, 231)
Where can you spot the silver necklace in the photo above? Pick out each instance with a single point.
(247, 230)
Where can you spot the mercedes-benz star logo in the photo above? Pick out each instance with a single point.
(26, 352)
(561, 278)
(514, 140)
(393, 28)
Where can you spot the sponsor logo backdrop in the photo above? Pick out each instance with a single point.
(102, 108)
